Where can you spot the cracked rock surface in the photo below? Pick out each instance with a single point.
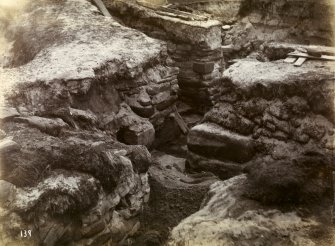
(74, 85)
(152, 134)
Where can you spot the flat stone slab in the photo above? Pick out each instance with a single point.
(72, 53)
(215, 142)
(197, 32)
(246, 74)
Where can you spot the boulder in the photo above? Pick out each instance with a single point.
(226, 217)
(143, 111)
(215, 142)
(269, 111)
(138, 135)
(133, 129)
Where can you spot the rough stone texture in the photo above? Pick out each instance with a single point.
(74, 84)
(253, 23)
(73, 70)
(174, 195)
(227, 11)
(283, 110)
(313, 18)
(213, 148)
(194, 46)
(279, 50)
(214, 141)
(226, 217)
(87, 176)
(256, 21)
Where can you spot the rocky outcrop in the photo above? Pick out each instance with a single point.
(96, 76)
(268, 109)
(74, 86)
(228, 218)
(89, 178)
(193, 44)
(275, 123)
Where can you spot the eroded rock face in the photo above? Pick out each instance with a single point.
(269, 109)
(86, 177)
(256, 21)
(275, 122)
(253, 23)
(84, 97)
(228, 218)
(95, 76)
(194, 46)
(75, 84)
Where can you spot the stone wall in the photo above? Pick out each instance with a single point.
(194, 46)
(270, 111)
(227, 11)
(308, 22)
(70, 94)
(271, 139)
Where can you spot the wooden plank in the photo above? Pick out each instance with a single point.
(187, 18)
(314, 50)
(300, 61)
(102, 8)
(180, 122)
(325, 50)
(179, 12)
(314, 53)
(163, 10)
(323, 57)
(290, 59)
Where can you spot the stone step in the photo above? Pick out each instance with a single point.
(215, 142)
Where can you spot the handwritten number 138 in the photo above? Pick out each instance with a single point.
(25, 233)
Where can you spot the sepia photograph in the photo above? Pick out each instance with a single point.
(167, 122)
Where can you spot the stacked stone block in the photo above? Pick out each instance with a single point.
(193, 45)
(268, 111)
(200, 73)
(156, 98)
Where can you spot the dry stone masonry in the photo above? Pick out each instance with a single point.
(193, 45)
(166, 122)
(67, 101)
(266, 105)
